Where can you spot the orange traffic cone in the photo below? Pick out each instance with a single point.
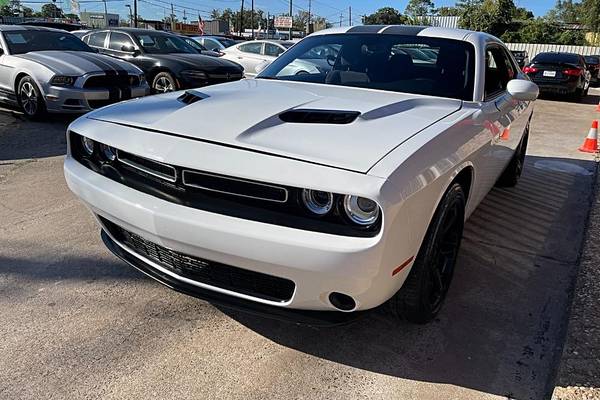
(590, 145)
(598, 107)
(505, 134)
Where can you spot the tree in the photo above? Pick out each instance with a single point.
(50, 10)
(385, 16)
(448, 12)
(215, 14)
(491, 16)
(419, 8)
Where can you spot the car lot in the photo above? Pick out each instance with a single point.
(78, 323)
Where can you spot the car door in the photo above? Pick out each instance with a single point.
(122, 46)
(250, 55)
(505, 119)
(97, 40)
(6, 73)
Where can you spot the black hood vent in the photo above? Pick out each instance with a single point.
(191, 96)
(307, 116)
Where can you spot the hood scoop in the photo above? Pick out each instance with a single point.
(308, 116)
(192, 96)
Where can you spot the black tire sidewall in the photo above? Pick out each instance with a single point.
(165, 75)
(41, 105)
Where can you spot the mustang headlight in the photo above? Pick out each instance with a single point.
(109, 152)
(317, 202)
(62, 80)
(88, 145)
(193, 74)
(360, 210)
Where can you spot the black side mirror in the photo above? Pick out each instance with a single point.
(130, 49)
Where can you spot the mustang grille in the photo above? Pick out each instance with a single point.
(211, 273)
(105, 81)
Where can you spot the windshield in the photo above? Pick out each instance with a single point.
(20, 42)
(397, 63)
(157, 43)
(226, 42)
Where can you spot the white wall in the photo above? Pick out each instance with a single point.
(533, 49)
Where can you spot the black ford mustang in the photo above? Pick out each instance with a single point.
(168, 62)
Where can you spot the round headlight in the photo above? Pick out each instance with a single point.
(317, 202)
(88, 145)
(109, 153)
(360, 210)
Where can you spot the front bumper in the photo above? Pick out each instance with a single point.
(317, 263)
(306, 317)
(78, 100)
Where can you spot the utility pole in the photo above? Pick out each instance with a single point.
(308, 27)
(252, 19)
(242, 18)
(291, 16)
(341, 19)
(350, 15)
(267, 30)
(106, 15)
(172, 18)
(135, 14)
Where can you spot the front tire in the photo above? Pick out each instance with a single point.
(164, 82)
(30, 99)
(423, 293)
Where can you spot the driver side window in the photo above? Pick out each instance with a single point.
(118, 40)
(498, 72)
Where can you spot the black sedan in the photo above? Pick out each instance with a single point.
(167, 60)
(593, 65)
(560, 73)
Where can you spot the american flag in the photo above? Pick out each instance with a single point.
(200, 25)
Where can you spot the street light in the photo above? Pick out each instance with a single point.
(130, 14)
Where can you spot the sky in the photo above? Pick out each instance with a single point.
(331, 9)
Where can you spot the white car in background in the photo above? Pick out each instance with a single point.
(313, 196)
(256, 54)
(214, 43)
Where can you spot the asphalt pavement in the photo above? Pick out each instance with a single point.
(78, 323)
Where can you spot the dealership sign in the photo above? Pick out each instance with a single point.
(283, 22)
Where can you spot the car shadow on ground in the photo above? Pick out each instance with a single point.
(23, 139)
(589, 99)
(502, 328)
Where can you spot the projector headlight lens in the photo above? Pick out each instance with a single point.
(109, 153)
(88, 145)
(360, 210)
(317, 202)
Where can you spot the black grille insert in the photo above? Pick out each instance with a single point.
(223, 276)
(147, 166)
(307, 116)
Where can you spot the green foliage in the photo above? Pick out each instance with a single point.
(51, 11)
(545, 31)
(448, 12)
(419, 8)
(591, 14)
(385, 16)
(491, 16)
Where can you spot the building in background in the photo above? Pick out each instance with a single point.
(96, 19)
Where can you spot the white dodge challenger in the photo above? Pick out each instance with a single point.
(316, 196)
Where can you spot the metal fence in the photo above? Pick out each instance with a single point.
(534, 49)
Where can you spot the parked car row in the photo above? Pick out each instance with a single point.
(561, 73)
(50, 70)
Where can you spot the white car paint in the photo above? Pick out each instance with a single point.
(254, 62)
(402, 152)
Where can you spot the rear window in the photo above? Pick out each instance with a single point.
(568, 58)
(592, 60)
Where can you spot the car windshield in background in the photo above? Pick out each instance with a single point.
(397, 63)
(226, 42)
(20, 42)
(592, 60)
(164, 44)
(553, 58)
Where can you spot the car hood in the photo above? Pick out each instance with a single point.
(77, 63)
(194, 61)
(246, 114)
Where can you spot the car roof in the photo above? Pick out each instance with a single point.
(409, 30)
(140, 30)
(13, 28)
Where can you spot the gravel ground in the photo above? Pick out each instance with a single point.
(579, 373)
